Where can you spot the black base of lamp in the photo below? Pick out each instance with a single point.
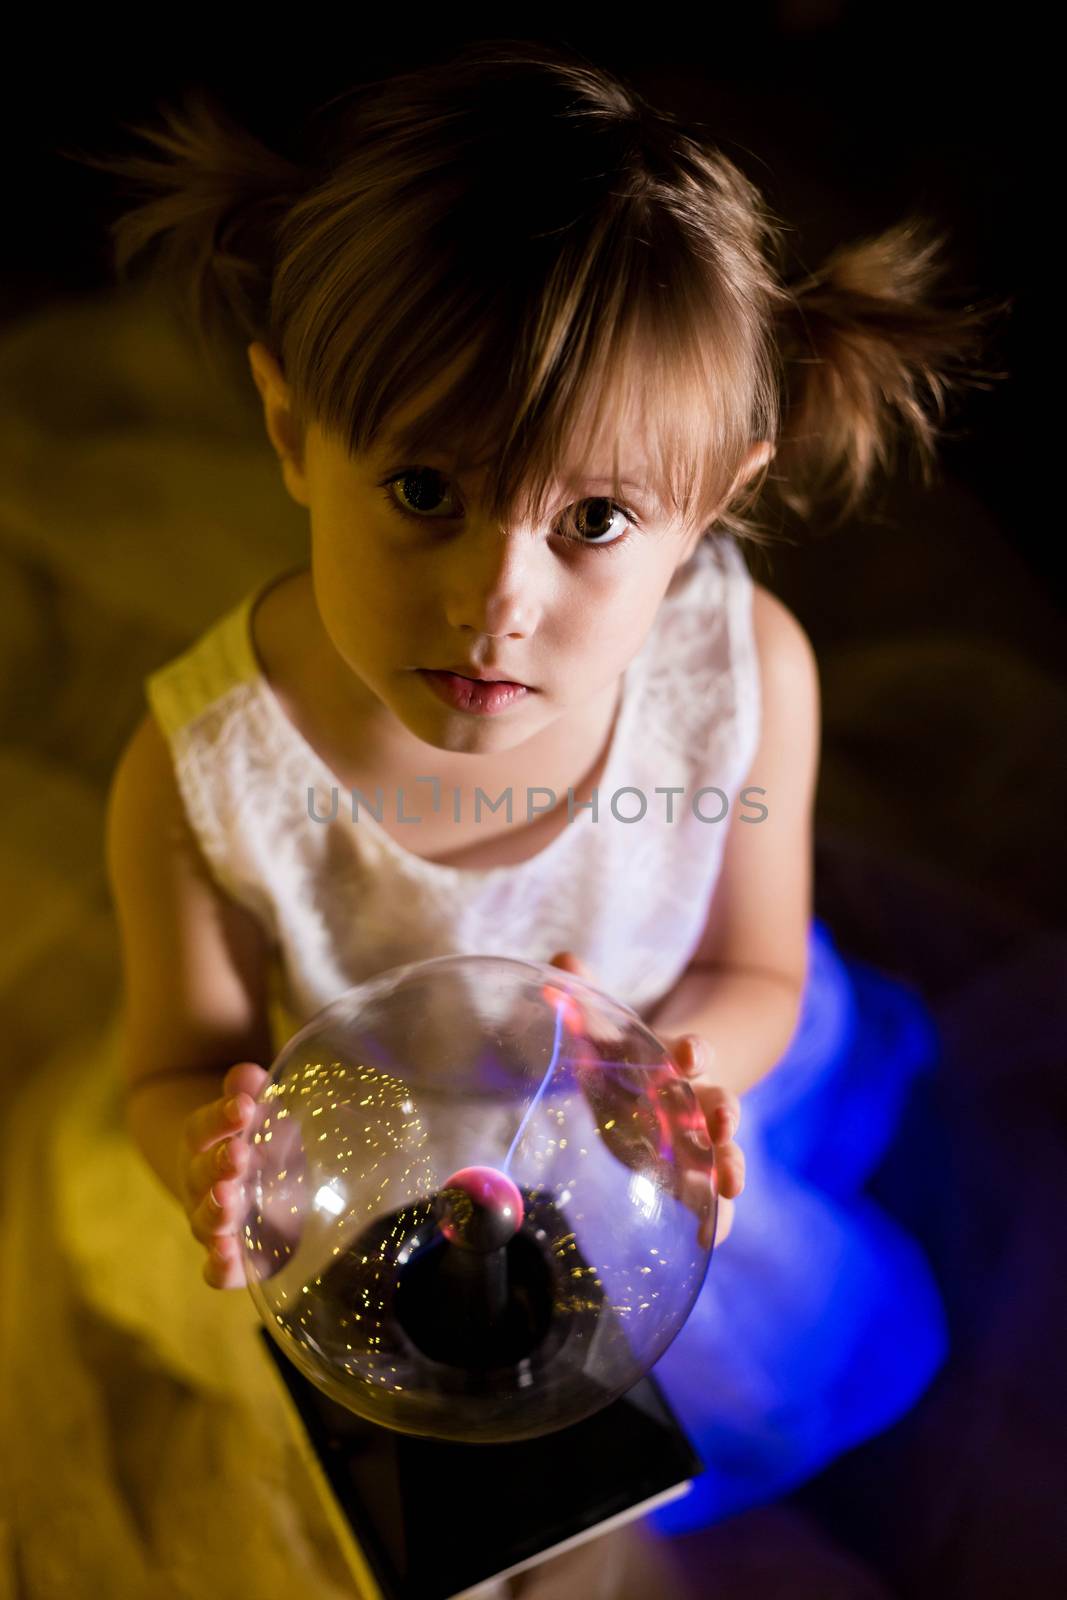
(428, 1519)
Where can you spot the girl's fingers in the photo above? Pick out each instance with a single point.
(729, 1180)
(246, 1077)
(696, 1191)
(723, 1222)
(722, 1111)
(226, 1159)
(730, 1165)
(217, 1213)
(695, 1058)
(727, 1116)
(224, 1267)
(219, 1119)
(218, 1156)
(692, 1054)
(725, 1219)
(567, 961)
(722, 1215)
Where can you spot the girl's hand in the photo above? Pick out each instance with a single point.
(692, 1055)
(213, 1159)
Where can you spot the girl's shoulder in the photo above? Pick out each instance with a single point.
(208, 740)
(726, 652)
(203, 676)
(758, 630)
(196, 681)
(785, 656)
(787, 754)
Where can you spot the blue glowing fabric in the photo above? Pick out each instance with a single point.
(819, 1323)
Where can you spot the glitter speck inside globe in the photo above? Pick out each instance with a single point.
(481, 1199)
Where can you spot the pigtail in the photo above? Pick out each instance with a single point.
(211, 207)
(868, 360)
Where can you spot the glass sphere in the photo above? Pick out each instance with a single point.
(481, 1199)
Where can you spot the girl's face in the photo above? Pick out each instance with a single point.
(409, 573)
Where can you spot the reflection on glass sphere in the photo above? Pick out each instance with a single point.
(481, 1199)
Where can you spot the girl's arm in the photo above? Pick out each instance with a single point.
(741, 993)
(194, 963)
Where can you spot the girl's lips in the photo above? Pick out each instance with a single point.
(472, 694)
(476, 677)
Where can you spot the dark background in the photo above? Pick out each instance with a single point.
(937, 617)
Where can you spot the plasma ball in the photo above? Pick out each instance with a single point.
(479, 1208)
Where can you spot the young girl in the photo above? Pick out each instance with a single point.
(526, 356)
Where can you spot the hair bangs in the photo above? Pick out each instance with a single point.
(613, 347)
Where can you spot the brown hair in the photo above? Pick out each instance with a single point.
(530, 212)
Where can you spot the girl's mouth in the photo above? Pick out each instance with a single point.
(472, 694)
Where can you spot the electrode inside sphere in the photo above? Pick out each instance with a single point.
(476, 1205)
(479, 1208)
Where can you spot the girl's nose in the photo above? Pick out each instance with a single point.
(491, 582)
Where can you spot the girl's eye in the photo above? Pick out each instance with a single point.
(421, 490)
(604, 514)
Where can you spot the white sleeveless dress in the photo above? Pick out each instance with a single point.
(150, 1454)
